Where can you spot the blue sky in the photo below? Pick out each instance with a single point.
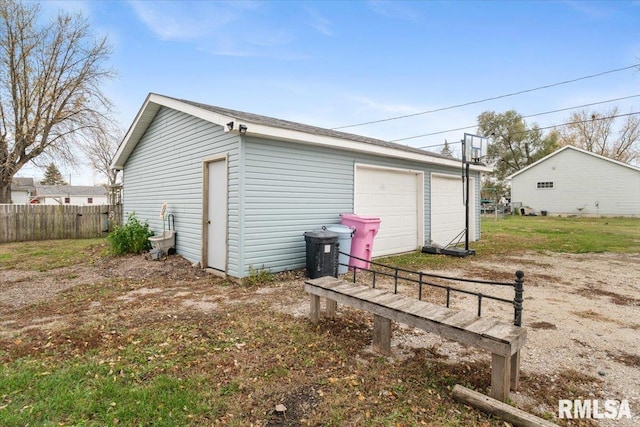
(336, 63)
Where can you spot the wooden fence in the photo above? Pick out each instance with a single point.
(19, 223)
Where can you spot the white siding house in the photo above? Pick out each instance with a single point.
(22, 190)
(243, 188)
(79, 195)
(572, 181)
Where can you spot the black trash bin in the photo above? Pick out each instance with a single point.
(322, 253)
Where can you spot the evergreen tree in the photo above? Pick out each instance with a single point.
(446, 150)
(52, 176)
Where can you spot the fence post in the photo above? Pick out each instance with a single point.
(517, 300)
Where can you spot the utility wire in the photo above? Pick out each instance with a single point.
(546, 127)
(493, 98)
(524, 117)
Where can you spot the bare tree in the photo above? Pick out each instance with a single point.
(100, 152)
(50, 87)
(602, 133)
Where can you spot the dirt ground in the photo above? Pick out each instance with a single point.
(582, 311)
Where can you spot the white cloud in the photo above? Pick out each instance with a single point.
(184, 20)
(589, 9)
(219, 28)
(319, 22)
(395, 10)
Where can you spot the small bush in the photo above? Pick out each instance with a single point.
(258, 277)
(130, 238)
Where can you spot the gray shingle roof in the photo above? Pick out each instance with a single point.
(22, 184)
(70, 190)
(285, 124)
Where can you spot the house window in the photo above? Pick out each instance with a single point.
(67, 200)
(545, 184)
(89, 200)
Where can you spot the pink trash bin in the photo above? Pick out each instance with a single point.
(366, 228)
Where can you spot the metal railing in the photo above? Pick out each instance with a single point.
(425, 279)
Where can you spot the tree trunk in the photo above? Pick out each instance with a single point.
(5, 192)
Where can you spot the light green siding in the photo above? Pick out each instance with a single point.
(292, 188)
(167, 166)
(277, 190)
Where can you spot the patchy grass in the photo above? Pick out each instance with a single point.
(232, 367)
(127, 350)
(559, 234)
(49, 255)
(519, 234)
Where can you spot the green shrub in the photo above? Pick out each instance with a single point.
(258, 277)
(130, 238)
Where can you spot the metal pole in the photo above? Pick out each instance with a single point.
(466, 213)
(517, 300)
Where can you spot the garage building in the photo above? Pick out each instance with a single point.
(243, 188)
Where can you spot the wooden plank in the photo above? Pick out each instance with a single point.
(368, 295)
(324, 281)
(386, 298)
(452, 333)
(414, 308)
(400, 304)
(432, 310)
(484, 341)
(499, 332)
(500, 377)
(461, 319)
(50, 222)
(507, 333)
(443, 314)
(340, 298)
(347, 288)
(501, 410)
(381, 335)
(314, 309)
(482, 324)
(515, 371)
(520, 341)
(350, 289)
(331, 308)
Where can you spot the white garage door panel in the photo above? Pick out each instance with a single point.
(391, 195)
(447, 209)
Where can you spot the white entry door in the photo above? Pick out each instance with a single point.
(217, 215)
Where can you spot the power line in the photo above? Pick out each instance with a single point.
(546, 127)
(488, 99)
(524, 117)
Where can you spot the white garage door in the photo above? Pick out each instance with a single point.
(395, 196)
(447, 208)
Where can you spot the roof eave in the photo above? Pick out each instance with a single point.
(145, 116)
(154, 101)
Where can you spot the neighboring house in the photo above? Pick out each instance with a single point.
(572, 181)
(243, 188)
(81, 195)
(22, 190)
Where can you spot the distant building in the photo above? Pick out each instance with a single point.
(572, 181)
(22, 190)
(81, 195)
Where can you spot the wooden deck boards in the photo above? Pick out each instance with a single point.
(502, 339)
